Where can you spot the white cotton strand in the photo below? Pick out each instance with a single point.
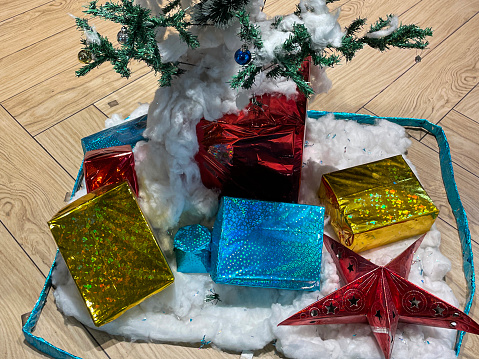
(393, 25)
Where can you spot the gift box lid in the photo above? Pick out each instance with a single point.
(192, 239)
(127, 133)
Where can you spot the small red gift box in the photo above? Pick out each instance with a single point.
(108, 166)
(256, 154)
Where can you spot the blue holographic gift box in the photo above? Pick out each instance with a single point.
(127, 133)
(267, 244)
(192, 249)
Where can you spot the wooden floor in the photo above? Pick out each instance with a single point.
(45, 110)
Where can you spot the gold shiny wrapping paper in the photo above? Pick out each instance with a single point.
(111, 251)
(376, 203)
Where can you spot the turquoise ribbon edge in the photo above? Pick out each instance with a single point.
(78, 180)
(452, 193)
(452, 196)
(37, 342)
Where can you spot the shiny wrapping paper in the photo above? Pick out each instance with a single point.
(380, 296)
(110, 250)
(108, 166)
(376, 203)
(126, 133)
(192, 249)
(256, 154)
(267, 244)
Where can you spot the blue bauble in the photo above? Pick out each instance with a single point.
(242, 56)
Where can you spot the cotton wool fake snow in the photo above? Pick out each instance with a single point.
(247, 318)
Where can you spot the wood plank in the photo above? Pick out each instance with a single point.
(32, 189)
(426, 161)
(56, 53)
(469, 105)
(128, 98)
(461, 132)
(68, 134)
(19, 72)
(450, 247)
(273, 8)
(438, 84)
(19, 289)
(55, 99)
(11, 8)
(370, 72)
(37, 24)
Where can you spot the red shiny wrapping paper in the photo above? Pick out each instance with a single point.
(109, 166)
(256, 154)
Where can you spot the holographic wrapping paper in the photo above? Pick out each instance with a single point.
(127, 133)
(110, 250)
(108, 166)
(376, 203)
(267, 244)
(256, 154)
(192, 249)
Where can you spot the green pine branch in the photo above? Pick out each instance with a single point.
(405, 36)
(288, 58)
(141, 44)
(217, 12)
(245, 76)
(172, 5)
(249, 33)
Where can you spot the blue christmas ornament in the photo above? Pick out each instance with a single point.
(243, 55)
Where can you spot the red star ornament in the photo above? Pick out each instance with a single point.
(380, 296)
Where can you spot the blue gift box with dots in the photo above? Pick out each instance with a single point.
(267, 244)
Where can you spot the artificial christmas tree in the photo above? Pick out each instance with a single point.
(230, 52)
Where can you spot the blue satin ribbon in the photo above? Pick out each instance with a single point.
(452, 196)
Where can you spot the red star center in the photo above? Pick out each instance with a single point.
(380, 296)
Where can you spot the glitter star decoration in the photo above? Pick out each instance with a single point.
(380, 296)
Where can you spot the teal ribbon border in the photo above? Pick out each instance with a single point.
(452, 196)
(37, 342)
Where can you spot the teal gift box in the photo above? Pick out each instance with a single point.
(267, 244)
(192, 249)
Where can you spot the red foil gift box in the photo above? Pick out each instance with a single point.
(256, 154)
(109, 166)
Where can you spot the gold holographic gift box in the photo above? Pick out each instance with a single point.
(376, 203)
(111, 251)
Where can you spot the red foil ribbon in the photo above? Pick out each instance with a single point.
(256, 154)
(109, 166)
